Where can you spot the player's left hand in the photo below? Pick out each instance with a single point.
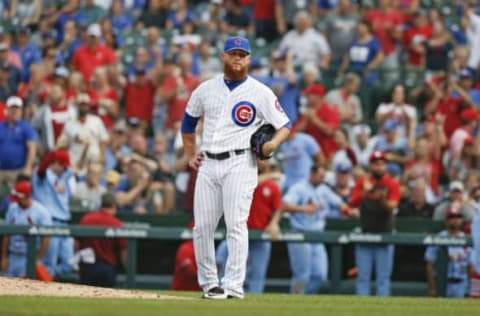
(195, 162)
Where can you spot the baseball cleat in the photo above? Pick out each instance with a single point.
(215, 293)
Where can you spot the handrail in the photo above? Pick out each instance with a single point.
(336, 239)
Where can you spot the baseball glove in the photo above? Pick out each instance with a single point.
(262, 135)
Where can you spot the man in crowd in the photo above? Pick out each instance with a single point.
(17, 143)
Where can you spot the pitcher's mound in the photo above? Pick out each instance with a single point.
(27, 287)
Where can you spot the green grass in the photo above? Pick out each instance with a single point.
(269, 305)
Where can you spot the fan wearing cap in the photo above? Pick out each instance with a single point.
(470, 118)
(17, 143)
(377, 196)
(460, 259)
(117, 146)
(85, 137)
(53, 186)
(93, 54)
(320, 120)
(466, 80)
(29, 52)
(23, 210)
(395, 147)
(455, 198)
(342, 181)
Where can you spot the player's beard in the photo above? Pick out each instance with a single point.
(234, 74)
(377, 174)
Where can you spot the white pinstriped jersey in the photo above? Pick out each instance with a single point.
(231, 117)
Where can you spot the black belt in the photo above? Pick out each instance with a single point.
(455, 280)
(225, 155)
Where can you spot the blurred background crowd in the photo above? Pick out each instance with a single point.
(108, 81)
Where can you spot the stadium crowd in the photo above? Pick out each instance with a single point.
(92, 94)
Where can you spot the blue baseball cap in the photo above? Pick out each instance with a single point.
(237, 42)
(465, 73)
(140, 69)
(255, 64)
(343, 167)
(390, 125)
(393, 169)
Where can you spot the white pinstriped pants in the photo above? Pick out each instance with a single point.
(223, 187)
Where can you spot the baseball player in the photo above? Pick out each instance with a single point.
(459, 259)
(475, 277)
(53, 184)
(299, 153)
(310, 202)
(377, 195)
(23, 211)
(233, 106)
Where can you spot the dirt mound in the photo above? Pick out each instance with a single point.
(26, 287)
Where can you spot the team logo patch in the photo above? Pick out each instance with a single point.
(278, 106)
(243, 113)
(237, 41)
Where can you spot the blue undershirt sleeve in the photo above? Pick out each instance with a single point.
(189, 123)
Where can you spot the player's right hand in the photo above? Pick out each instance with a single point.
(195, 162)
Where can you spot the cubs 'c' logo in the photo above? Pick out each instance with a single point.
(237, 41)
(278, 106)
(243, 113)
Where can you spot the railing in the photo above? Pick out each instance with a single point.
(336, 239)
